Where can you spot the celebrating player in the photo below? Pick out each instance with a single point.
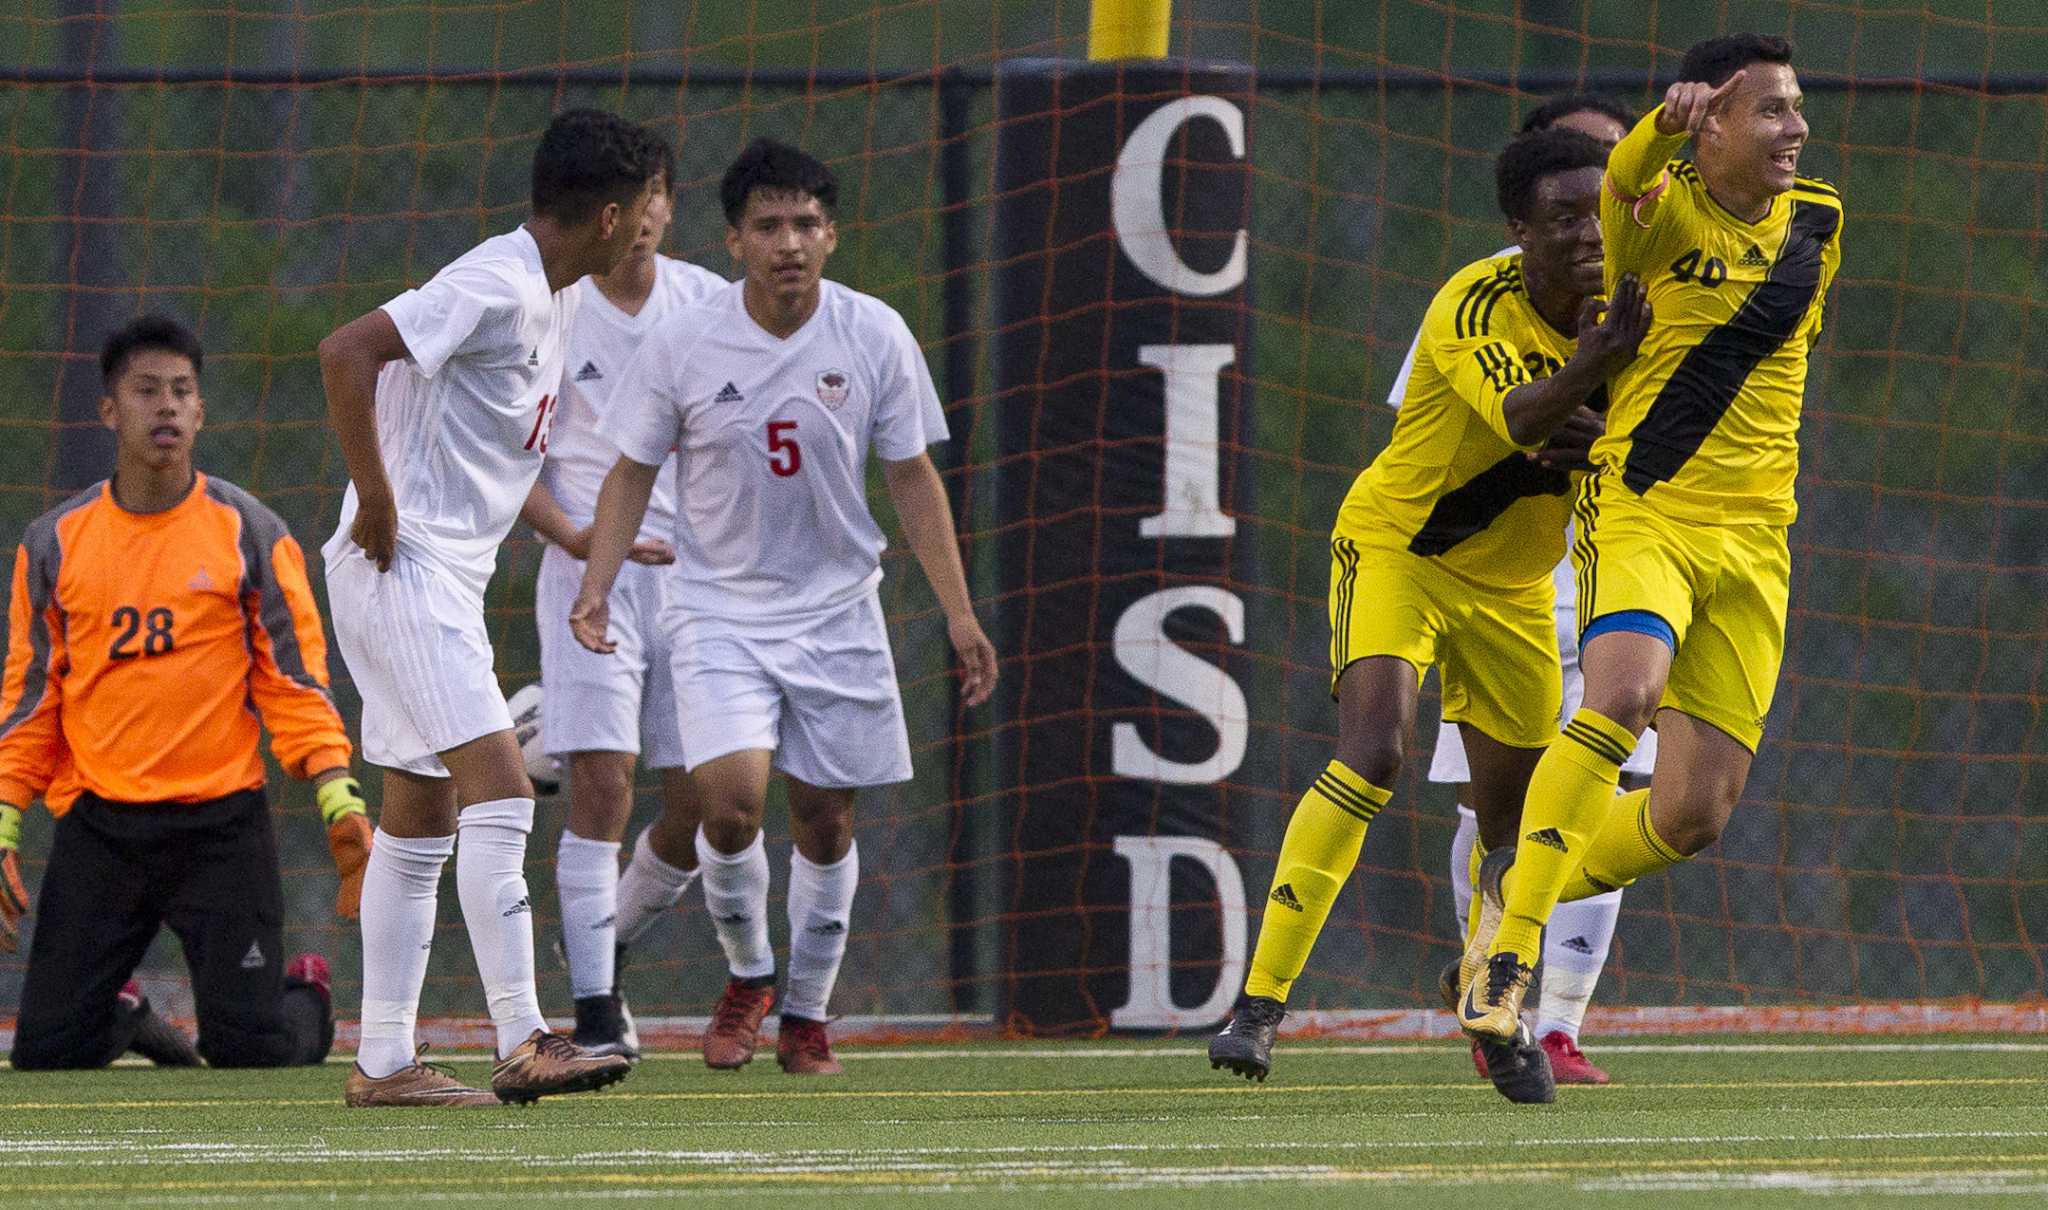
(440, 400)
(1681, 548)
(599, 713)
(149, 613)
(772, 399)
(1575, 947)
(1442, 554)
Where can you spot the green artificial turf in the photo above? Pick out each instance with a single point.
(1726, 1123)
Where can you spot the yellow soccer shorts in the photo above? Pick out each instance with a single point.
(1722, 589)
(1495, 651)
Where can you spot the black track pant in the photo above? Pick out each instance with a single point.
(117, 873)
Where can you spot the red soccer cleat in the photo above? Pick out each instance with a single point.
(736, 1024)
(1569, 1064)
(1479, 1062)
(803, 1049)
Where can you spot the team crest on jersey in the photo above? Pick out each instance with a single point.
(833, 387)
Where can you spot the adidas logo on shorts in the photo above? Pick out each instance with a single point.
(731, 394)
(589, 372)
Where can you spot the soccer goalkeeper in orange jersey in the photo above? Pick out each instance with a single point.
(1681, 550)
(154, 616)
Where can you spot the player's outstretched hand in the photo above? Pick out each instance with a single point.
(1689, 106)
(1610, 332)
(589, 618)
(1570, 447)
(977, 658)
(376, 529)
(653, 552)
(13, 894)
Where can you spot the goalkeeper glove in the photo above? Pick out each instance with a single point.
(13, 895)
(348, 837)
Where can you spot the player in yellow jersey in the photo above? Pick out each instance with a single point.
(1443, 550)
(1681, 553)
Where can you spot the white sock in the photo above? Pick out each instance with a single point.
(1462, 844)
(820, 910)
(649, 887)
(400, 887)
(736, 895)
(490, 875)
(587, 880)
(1574, 949)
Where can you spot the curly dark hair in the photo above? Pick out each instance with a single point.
(142, 334)
(1714, 60)
(1529, 158)
(1565, 104)
(588, 158)
(779, 168)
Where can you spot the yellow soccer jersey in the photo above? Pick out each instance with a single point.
(1705, 421)
(1451, 485)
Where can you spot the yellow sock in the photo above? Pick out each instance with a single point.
(1472, 876)
(1570, 796)
(1626, 848)
(1321, 847)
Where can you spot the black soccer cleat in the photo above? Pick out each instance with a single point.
(604, 1026)
(149, 1035)
(1520, 1069)
(1246, 1044)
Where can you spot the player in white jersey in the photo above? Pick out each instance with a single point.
(601, 713)
(440, 400)
(773, 397)
(1575, 947)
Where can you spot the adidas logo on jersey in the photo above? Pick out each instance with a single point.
(731, 394)
(1284, 896)
(1754, 259)
(1578, 945)
(589, 372)
(533, 358)
(1549, 838)
(200, 581)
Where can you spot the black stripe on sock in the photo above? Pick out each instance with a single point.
(1593, 741)
(1330, 789)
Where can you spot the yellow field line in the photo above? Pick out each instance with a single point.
(1199, 1090)
(881, 1176)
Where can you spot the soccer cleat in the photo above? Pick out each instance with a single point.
(154, 1038)
(735, 1030)
(1519, 1069)
(549, 1064)
(1568, 1063)
(1246, 1044)
(420, 1085)
(604, 1027)
(1492, 906)
(311, 1017)
(1492, 1008)
(803, 1049)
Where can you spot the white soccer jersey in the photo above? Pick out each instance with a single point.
(772, 439)
(463, 421)
(600, 347)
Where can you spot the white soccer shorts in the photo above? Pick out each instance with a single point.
(415, 646)
(1449, 766)
(822, 696)
(622, 702)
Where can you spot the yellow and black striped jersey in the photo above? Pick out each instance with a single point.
(1705, 421)
(1451, 485)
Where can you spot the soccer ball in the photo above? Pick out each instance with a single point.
(545, 770)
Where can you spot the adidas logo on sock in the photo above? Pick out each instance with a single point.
(1284, 896)
(1578, 945)
(1754, 259)
(605, 923)
(731, 394)
(524, 905)
(1549, 838)
(735, 918)
(827, 928)
(589, 372)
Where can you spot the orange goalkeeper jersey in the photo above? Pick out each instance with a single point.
(141, 649)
